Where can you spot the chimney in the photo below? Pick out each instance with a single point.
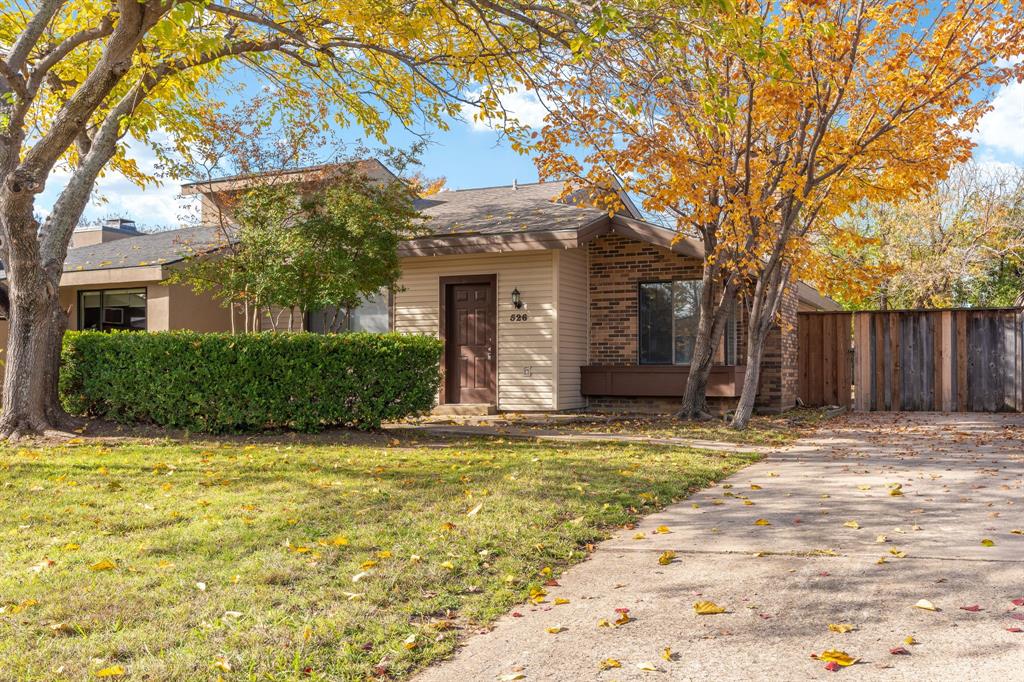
(515, 184)
(122, 224)
(108, 230)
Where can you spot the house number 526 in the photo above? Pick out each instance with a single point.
(518, 317)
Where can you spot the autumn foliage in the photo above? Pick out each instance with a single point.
(756, 137)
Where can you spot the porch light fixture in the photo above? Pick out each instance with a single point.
(517, 299)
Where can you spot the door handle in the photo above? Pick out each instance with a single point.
(490, 352)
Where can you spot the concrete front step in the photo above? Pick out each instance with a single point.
(465, 410)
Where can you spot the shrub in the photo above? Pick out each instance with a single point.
(219, 382)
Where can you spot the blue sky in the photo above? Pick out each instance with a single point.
(471, 155)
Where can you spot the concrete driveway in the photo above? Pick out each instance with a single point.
(782, 584)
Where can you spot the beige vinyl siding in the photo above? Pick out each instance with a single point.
(572, 297)
(520, 345)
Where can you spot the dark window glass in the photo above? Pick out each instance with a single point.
(686, 314)
(112, 309)
(656, 323)
(669, 314)
(730, 338)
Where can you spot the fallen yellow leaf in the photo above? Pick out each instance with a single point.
(103, 565)
(667, 654)
(987, 543)
(609, 663)
(754, 486)
(647, 666)
(836, 656)
(560, 600)
(112, 671)
(707, 608)
(666, 557)
(662, 530)
(762, 522)
(852, 524)
(841, 627)
(910, 640)
(556, 629)
(926, 605)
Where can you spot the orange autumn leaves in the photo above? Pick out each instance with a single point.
(762, 149)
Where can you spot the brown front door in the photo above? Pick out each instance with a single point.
(469, 342)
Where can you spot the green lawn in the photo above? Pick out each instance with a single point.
(762, 430)
(280, 562)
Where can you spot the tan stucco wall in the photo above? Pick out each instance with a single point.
(198, 312)
(157, 302)
(521, 346)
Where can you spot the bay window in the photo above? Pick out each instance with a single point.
(668, 316)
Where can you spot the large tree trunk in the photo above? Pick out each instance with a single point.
(37, 323)
(715, 308)
(765, 303)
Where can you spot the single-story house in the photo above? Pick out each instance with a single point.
(544, 304)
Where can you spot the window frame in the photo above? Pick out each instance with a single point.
(81, 293)
(672, 335)
(733, 323)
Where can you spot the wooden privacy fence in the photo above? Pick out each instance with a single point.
(966, 360)
(950, 360)
(825, 358)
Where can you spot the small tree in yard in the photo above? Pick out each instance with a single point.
(330, 242)
(77, 76)
(758, 150)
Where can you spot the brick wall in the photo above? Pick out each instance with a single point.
(617, 266)
(778, 388)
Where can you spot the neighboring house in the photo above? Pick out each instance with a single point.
(543, 305)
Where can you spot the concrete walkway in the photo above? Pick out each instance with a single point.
(962, 482)
(562, 436)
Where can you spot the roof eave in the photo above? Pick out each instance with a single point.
(567, 238)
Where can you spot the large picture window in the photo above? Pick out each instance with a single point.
(372, 315)
(668, 317)
(112, 309)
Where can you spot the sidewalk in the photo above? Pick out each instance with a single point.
(783, 584)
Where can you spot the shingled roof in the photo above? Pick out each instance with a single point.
(486, 211)
(157, 248)
(504, 210)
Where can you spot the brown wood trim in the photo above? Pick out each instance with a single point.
(442, 324)
(657, 381)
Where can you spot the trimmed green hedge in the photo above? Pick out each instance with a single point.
(220, 382)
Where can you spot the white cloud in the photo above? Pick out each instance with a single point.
(115, 196)
(521, 105)
(1002, 128)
